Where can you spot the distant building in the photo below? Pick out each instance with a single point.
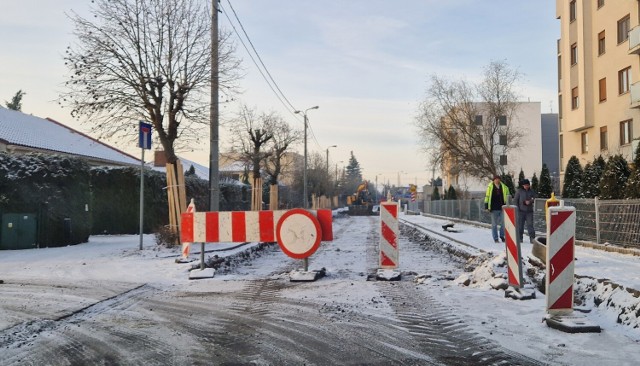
(550, 143)
(229, 166)
(598, 61)
(22, 133)
(528, 157)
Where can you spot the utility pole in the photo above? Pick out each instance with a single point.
(304, 173)
(214, 178)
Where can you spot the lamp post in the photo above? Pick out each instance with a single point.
(304, 172)
(377, 199)
(400, 172)
(328, 157)
(337, 176)
(330, 188)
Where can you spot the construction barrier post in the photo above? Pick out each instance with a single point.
(561, 229)
(389, 254)
(512, 243)
(186, 246)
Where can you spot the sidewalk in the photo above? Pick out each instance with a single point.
(620, 268)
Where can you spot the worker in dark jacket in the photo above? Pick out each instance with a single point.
(497, 195)
(524, 199)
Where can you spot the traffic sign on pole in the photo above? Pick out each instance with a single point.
(144, 142)
(144, 137)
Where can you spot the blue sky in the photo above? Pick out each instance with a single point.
(366, 63)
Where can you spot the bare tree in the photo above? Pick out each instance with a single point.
(146, 60)
(318, 181)
(250, 133)
(463, 126)
(284, 136)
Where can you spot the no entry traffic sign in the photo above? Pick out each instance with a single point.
(298, 233)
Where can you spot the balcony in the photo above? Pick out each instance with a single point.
(634, 41)
(635, 95)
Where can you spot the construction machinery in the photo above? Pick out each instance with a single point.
(360, 203)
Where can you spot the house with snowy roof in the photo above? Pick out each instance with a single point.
(22, 133)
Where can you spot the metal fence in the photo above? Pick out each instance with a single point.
(610, 221)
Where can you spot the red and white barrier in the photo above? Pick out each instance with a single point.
(512, 242)
(561, 229)
(252, 226)
(186, 246)
(389, 253)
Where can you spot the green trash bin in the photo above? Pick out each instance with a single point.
(19, 231)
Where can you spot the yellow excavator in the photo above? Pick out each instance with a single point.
(360, 203)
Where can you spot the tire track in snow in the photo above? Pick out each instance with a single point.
(438, 327)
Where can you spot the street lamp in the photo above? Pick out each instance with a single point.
(328, 157)
(377, 199)
(304, 172)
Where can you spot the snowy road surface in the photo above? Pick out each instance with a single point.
(105, 302)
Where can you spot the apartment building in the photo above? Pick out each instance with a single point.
(598, 70)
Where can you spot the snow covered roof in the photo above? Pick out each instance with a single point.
(201, 171)
(20, 130)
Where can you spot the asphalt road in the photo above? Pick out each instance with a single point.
(247, 317)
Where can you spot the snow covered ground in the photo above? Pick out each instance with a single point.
(614, 307)
(513, 324)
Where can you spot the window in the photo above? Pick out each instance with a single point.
(600, 3)
(574, 98)
(602, 90)
(601, 44)
(503, 140)
(572, 10)
(604, 143)
(574, 54)
(623, 29)
(479, 119)
(503, 160)
(561, 147)
(584, 138)
(502, 120)
(626, 131)
(624, 76)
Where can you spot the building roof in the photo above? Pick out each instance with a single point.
(20, 130)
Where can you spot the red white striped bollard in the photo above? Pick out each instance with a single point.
(186, 245)
(512, 242)
(389, 254)
(561, 230)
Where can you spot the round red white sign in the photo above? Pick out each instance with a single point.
(298, 233)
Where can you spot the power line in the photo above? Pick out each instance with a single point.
(270, 82)
(258, 55)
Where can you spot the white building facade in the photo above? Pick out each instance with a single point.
(527, 119)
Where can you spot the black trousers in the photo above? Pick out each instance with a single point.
(525, 217)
